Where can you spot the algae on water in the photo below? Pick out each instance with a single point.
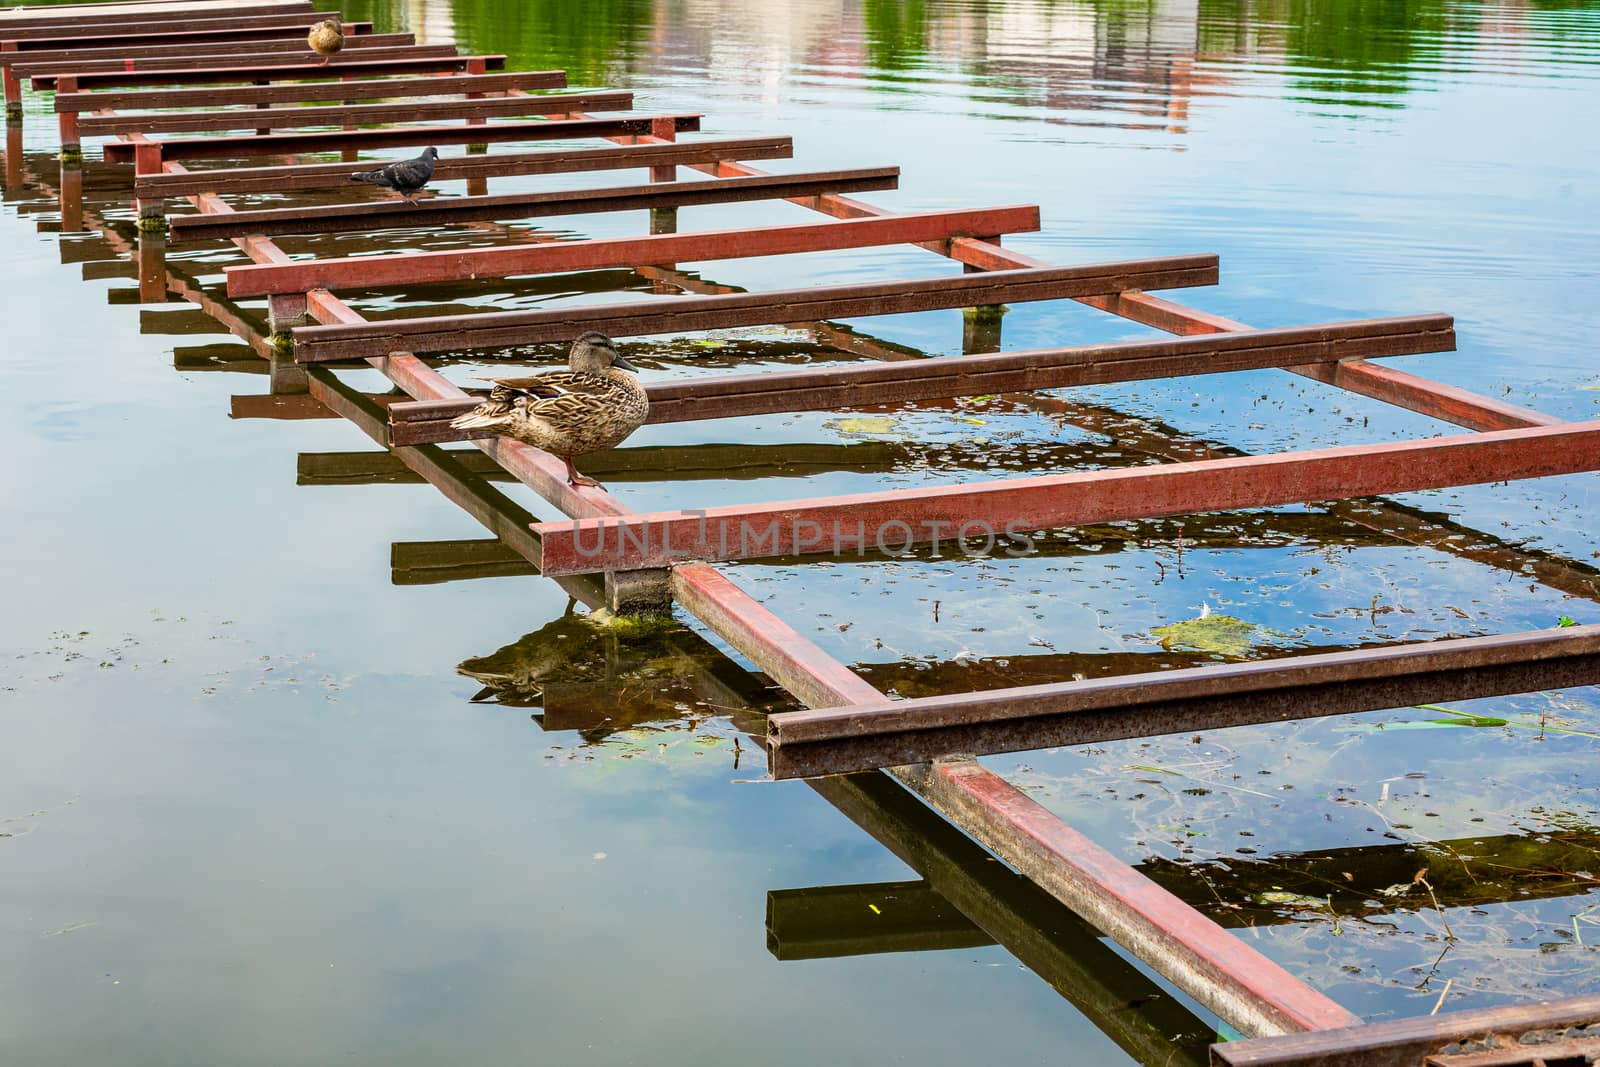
(1222, 635)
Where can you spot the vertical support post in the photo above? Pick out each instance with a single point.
(284, 312)
(663, 219)
(639, 592)
(262, 132)
(348, 155)
(477, 186)
(13, 85)
(71, 148)
(71, 196)
(152, 267)
(980, 326)
(147, 160)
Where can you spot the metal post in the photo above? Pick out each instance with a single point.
(71, 149)
(147, 160)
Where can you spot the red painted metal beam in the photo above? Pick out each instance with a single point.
(939, 377)
(441, 211)
(462, 168)
(102, 56)
(287, 72)
(158, 33)
(993, 509)
(397, 88)
(563, 256)
(274, 144)
(804, 744)
(52, 20)
(450, 333)
(389, 112)
(43, 73)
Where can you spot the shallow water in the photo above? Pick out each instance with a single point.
(255, 813)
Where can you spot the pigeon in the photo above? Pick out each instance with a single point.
(326, 38)
(404, 177)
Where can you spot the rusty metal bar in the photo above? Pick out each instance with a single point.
(85, 58)
(314, 92)
(338, 68)
(566, 256)
(1020, 506)
(161, 33)
(458, 168)
(274, 144)
(832, 388)
(830, 741)
(75, 15)
(320, 343)
(1405, 1042)
(290, 118)
(43, 73)
(439, 211)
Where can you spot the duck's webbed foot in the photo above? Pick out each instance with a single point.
(575, 479)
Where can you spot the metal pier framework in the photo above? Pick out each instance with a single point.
(166, 82)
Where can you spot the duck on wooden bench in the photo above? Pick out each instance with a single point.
(593, 406)
(327, 38)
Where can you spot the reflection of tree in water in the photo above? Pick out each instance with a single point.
(897, 32)
(592, 40)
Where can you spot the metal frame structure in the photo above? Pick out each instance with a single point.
(97, 57)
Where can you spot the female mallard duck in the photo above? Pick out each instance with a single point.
(589, 408)
(326, 38)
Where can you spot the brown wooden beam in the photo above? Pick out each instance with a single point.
(803, 744)
(992, 509)
(496, 329)
(834, 388)
(168, 32)
(274, 144)
(395, 88)
(289, 118)
(559, 257)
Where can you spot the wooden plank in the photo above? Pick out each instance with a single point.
(287, 72)
(106, 56)
(838, 740)
(166, 30)
(683, 314)
(460, 168)
(938, 377)
(1405, 1042)
(355, 114)
(563, 256)
(392, 213)
(42, 73)
(316, 92)
(274, 144)
(917, 516)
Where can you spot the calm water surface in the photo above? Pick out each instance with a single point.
(304, 769)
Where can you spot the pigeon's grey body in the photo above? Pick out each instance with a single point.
(404, 177)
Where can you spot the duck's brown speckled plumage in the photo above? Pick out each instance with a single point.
(591, 407)
(326, 38)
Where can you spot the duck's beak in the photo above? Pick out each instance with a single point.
(619, 361)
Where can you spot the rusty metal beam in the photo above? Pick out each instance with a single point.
(159, 33)
(464, 168)
(274, 144)
(42, 73)
(52, 19)
(991, 509)
(320, 343)
(222, 75)
(292, 118)
(313, 92)
(103, 56)
(833, 388)
(559, 257)
(1405, 1042)
(834, 740)
(440, 211)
